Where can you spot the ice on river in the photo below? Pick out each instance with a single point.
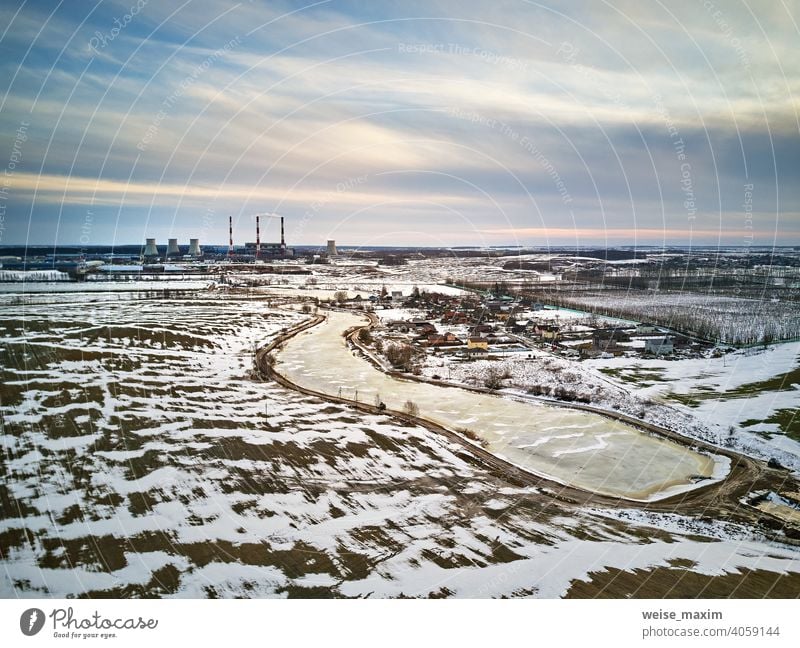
(570, 446)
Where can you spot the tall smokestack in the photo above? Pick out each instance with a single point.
(258, 235)
(230, 235)
(194, 248)
(283, 238)
(172, 248)
(150, 249)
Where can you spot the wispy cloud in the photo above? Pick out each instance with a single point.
(593, 114)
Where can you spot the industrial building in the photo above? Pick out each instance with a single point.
(151, 254)
(251, 252)
(256, 251)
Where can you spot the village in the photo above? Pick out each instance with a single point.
(495, 323)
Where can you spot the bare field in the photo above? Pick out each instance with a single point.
(141, 458)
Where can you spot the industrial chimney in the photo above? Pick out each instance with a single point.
(194, 248)
(150, 249)
(332, 248)
(258, 236)
(230, 236)
(283, 238)
(172, 248)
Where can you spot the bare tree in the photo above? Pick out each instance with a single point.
(493, 378)
(411, 408)
(399, 355)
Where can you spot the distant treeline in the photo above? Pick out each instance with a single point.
(728, 320)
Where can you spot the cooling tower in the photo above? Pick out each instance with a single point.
(332, 248)
(172, 248)
(150, 249)
(194, 248)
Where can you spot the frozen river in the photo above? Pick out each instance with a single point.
(572, 447)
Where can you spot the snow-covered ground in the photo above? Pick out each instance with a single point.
(142, 458)
(728, 318)
(735, 395)
(53, 287)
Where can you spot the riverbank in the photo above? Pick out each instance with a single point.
(570, 447)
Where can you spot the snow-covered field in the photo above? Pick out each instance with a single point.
(728, 401)
(750, 397)
(728, 319)
(54, 287)
(142, 458)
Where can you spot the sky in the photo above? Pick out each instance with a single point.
(434, 123)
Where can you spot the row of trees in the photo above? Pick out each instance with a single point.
(715, 318)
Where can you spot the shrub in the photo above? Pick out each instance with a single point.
(399, 355)
(564, 394)
(493, 378)
(411, 408)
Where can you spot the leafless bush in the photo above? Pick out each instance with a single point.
(493, 378)
(399, 355)
(411, 408)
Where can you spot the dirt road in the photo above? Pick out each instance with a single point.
(718, 501)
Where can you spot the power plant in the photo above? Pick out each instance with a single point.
(173, 251)
(249, 253)
(150, 249)
(257, 250)
(173, 260)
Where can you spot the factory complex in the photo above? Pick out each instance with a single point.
(121, 261)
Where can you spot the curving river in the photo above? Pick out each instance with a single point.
(572, 447)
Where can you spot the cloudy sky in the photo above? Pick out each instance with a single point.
(401, 123)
